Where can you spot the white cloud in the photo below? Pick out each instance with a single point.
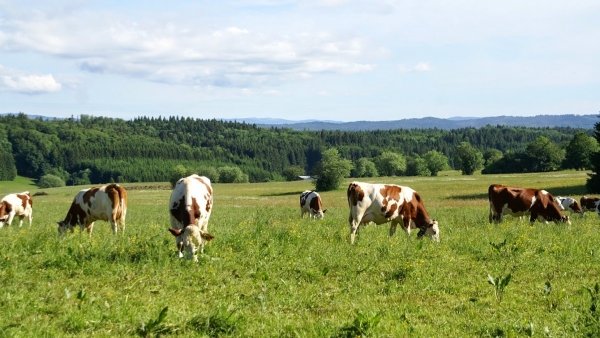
(188, 54)
(324, 93)
(14, 81)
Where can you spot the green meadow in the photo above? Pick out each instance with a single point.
(269, 273)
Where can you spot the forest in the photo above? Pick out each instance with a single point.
(146, 149)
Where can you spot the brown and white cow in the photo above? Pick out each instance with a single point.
(567, 203)
(106, 203)
(589, 204)
(538, 204)
(190, 207)
(16, 205)
(310, 202)
(382, 203)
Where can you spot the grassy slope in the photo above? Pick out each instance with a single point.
(269, 273)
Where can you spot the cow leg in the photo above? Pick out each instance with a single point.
(393, 226)
(89, 228)
(406, 225)
(21, 220)
(113, 224)
(179, 242)
(30, 218)
(10, 219)
(354, 224)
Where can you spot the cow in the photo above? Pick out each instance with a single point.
(310, 202)
(382, 203)
(567, 203)
(107, 203)
(538, 204)
(190, 207)
(12, 205)
(589, 204)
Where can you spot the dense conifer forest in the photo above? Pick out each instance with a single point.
(146, 149)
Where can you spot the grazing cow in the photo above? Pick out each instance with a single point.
(589, 204)
(538, 204)
(106, 203)
(568, 203)
(310, 202)
(382, 203)
(16, 205)
(190, 207)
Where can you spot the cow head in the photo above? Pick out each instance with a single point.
(319, 214)
(193, 239)
(3, 219)
(430, 230)
(64, 226)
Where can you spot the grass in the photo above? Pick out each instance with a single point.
(269, 273)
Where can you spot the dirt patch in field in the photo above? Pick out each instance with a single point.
(149, 187)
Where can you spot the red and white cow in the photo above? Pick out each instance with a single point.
(538, 204)
(16, 205)
(567, 203)
(310, 202)
(106, 203)
(382, 203)
(589, 204)
(190, 207)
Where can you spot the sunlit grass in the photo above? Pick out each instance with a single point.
(270, 273)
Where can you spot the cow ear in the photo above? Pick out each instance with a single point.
(206, 236)
(175, 232)
(324, 211)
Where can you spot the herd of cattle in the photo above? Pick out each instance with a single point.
(191, 204)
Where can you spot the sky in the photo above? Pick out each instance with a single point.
(340, 60)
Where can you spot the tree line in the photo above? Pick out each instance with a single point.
(99, 150)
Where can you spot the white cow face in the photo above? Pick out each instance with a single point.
(193, 239)
(433, 231)
(319, 214)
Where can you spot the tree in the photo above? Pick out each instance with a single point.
(331, 170)
(593, 183)
(50, 181)
(8, 169)
(436, 161)
(292, 172)
(544, 155)
(491, 155)
(390, 164)
(417, 166)
(468, 158)
(579, 152)
(364, 168)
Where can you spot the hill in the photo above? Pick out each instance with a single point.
(569, 120)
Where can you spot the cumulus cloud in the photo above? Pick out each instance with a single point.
(12, 80)
(232, 56)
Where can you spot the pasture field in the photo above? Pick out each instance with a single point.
(269, 273)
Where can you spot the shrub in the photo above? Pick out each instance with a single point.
(232, 175)
(50, 181)
(210, 172)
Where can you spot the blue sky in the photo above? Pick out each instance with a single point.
(338, 60)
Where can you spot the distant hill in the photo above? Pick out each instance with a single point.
(569, 120)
